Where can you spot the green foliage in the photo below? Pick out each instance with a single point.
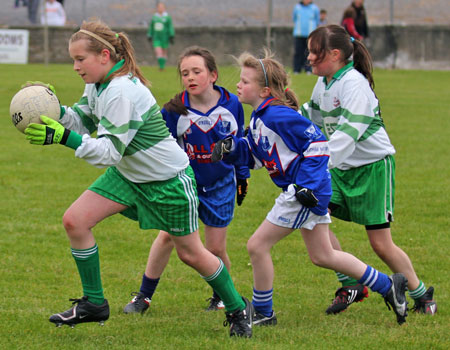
(38, 275)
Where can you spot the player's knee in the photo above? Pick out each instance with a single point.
(319, 259)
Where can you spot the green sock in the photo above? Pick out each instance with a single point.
(221, 283)
(88, 264)
(346, 280)
(418, 292)
(162, 62)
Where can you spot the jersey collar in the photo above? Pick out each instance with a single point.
(338, 75)
(265, 103)
(224, 97)
(103, 86)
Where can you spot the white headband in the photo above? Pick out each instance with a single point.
(99, 38)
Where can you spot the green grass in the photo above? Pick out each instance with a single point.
(38, 274)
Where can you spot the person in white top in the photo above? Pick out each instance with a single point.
(54, 14)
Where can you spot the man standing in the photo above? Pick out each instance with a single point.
(306, 16)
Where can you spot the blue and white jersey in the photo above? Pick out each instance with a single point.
(290, 147)
(198, 132)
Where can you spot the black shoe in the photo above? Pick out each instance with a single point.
(139, 304)
(260, 320)
(396, 297)
(426, 304)
(215, 304)
(82, 311)
(241, 321)
(346, 296)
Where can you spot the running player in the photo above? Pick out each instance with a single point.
(295, 153)
(148, 177)
(362, 164)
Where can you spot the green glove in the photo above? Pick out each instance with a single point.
(52, 132)
(39, 83)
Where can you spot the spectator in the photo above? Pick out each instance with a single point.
(306, 18)
(161, 32)
(54, 14)
(323, 21)
(33, 9)
(360, 18)
(348, 22)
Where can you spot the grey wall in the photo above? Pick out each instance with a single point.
(404, 47)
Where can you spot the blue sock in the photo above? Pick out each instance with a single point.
(376, 281)
(262, 301)
(148, 286)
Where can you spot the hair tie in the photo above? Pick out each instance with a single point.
(286, 90)
(352, 39)
(99, 38)
(265, 74)
(117, 35)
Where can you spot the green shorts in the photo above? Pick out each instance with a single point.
(164, 44)
(170, 205)
(364, 195)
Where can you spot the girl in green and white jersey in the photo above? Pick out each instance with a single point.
(148, 177)
(362, 164)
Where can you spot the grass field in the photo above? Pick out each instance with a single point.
(38, 274)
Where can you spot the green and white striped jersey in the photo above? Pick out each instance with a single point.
(131, 133)
(348, 112)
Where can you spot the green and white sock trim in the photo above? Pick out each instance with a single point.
(346, 280)
(418, 292)
(215, 274)
(84, 253)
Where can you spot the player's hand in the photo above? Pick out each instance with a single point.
(241, 190)
(45, 134)
(39, 83)
(221, 147)
(306, 197)
(172, 40)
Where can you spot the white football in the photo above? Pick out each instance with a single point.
(30, 103)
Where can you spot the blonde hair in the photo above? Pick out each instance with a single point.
(100, 37)
(271, 74)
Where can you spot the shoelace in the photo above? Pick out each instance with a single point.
(78, 300)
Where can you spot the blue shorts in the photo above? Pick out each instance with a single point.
(217, 201)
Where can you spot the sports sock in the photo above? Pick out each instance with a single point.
(376, 280)
(221, 283)
(162, 62)
(346, 280)
(418, 292)
(88, 264)
(262, 301)
(148, 286)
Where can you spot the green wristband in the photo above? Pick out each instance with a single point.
(71, 139)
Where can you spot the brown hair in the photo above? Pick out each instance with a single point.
(271, 74)
(119, 41)
(326, 38)
(176, 105)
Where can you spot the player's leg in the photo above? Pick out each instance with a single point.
(398, 261)
(322, 254)
(216, 243)
(157, 261)
(161, 55)
(259, 246)
(239, 311)
(89, 209)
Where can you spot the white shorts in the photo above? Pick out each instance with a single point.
(288, 212)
